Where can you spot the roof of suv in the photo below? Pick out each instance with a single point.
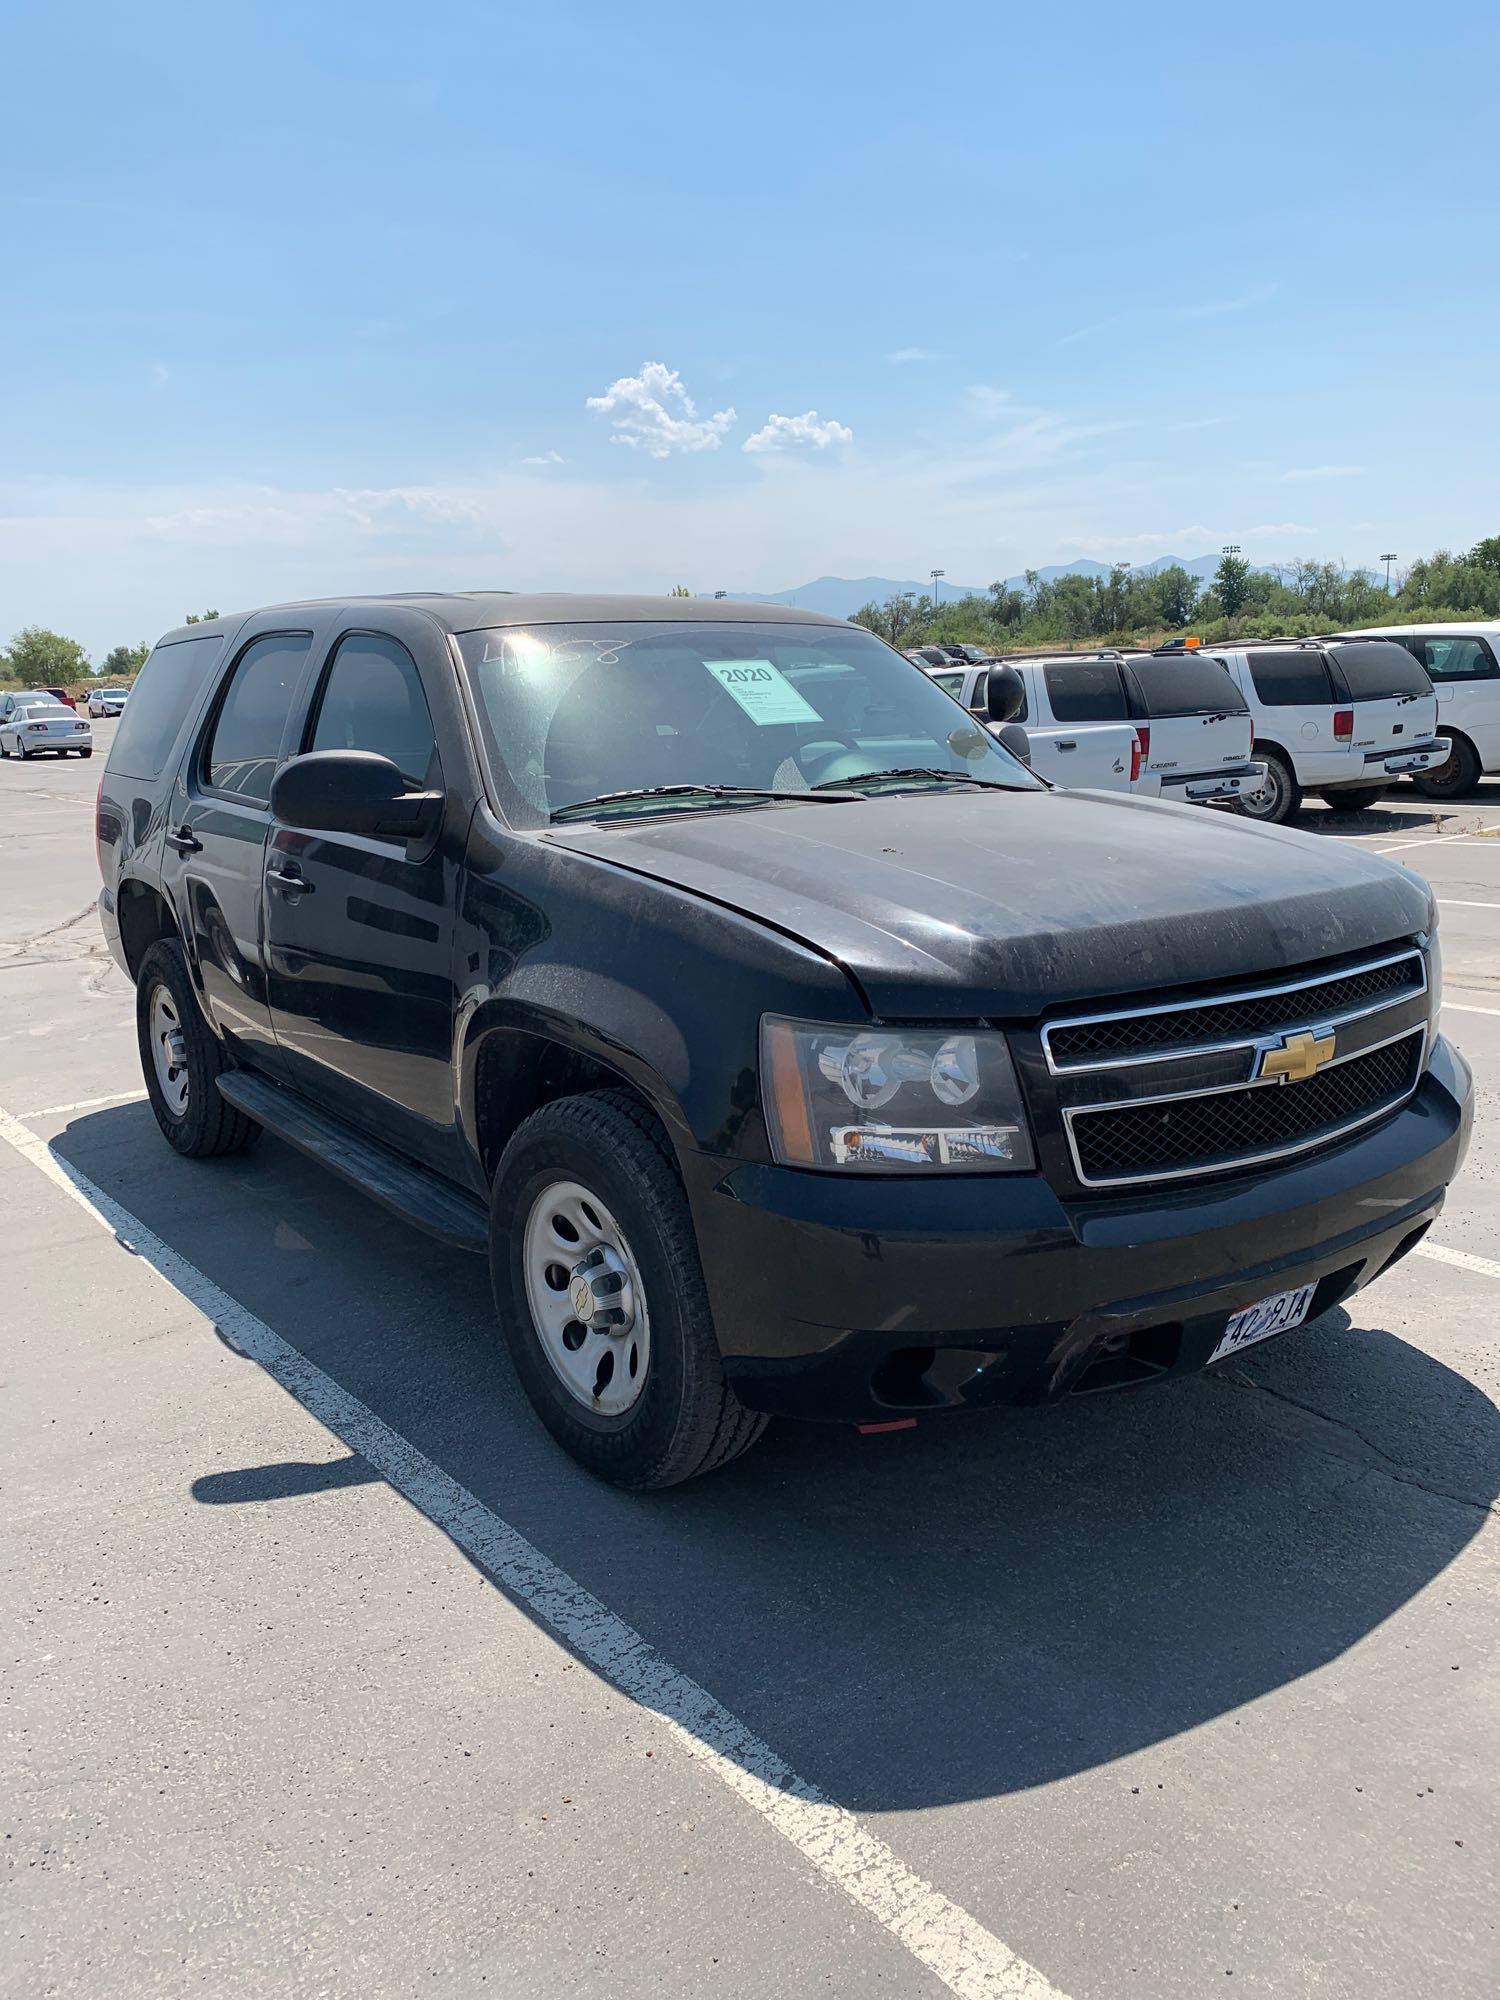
(478, 610)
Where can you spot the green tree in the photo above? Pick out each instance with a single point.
(121, 663)
(1232, 584)
(1486, 554)
(39, 658)
(1174, 594)
(208, 617)
(895, 620)
(677, 590)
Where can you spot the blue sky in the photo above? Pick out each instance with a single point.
(303, 299)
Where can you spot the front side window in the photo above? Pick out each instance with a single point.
(1290, 677)
(372, 699)
(574, 712)
(244, 744)
(1090, 692)
(1455, 659)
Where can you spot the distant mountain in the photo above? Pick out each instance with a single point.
(841, 596)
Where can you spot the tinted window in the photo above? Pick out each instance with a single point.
(372, 699)
(1089, 692)
(950, 683)
(1290, 677)
(1188, 686)
(1453, 659)
(245, 746)
(166, 689)
(1378, 669)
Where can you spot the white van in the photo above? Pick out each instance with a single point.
(1174, 728)
(1462, 661)
(1341, 717)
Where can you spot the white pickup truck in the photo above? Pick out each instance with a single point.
(1173, 728)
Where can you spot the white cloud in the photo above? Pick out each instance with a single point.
(1322, 472)
(988, 402)
(545, 458)
(1277, 528)
(903, 354)
(653, 413)
(1198, 424)
(791, 433)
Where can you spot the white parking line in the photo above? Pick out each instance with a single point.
(1465, 1260)
(1460, 1007)
(969, 1960)
(87, 1104)
(1463, 903)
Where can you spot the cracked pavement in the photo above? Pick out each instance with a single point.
(1167, 1690)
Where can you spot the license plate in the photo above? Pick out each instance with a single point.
(1258, 1322)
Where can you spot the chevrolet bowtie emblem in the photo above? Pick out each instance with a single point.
(1294, 1058)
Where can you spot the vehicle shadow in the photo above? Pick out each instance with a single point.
(967, 1610)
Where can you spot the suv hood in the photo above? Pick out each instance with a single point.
(962, 904)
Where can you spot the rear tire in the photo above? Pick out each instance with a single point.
(604, 1155)
(182, 1060)
(1352, 798)
(1457, 775)
(86, 753)
(1282, 795)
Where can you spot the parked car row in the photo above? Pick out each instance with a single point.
(1342, 717)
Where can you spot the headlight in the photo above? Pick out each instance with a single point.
(891, 1100)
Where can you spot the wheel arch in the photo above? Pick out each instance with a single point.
(511, 1069)
(145, 917)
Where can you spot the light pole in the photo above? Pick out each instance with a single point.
(1388, 560)
(935, 574)
(1230, 549)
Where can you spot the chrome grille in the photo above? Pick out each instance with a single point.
(1210, 1083)
(1162, 1138)
(1225, 1021)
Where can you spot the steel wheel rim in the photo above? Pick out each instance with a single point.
(1264, 803)
(587, 1300)
(169, 1051)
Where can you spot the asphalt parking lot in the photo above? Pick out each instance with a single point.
(329, 1674)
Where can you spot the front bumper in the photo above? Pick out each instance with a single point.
(856, 1300)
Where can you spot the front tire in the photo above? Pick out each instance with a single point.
(1455, 777)
(182, 1061)
(1281, 797)
(601, 1299)
(1353, 798)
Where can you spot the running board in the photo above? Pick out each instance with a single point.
(421, 1198)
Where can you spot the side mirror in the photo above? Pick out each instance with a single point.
(1004, 693)
(353, 791)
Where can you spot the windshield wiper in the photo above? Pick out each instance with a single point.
(580, 808)
(927, 771)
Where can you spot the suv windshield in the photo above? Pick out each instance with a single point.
(572, 713)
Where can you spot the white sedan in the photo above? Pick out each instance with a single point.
(108, 701)
(35, 726)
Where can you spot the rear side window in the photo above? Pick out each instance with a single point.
(372, 699)
(167, 687)
(1377, 669)
(1290, 677)
(1187, 686)
(1090, 692)
(1453, 659)
(244, 746)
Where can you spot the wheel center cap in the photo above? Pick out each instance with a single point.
(582, 1297)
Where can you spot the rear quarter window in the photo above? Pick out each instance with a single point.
(1090, 692)
(1290, 677)
(166, 689)
(1377, 669)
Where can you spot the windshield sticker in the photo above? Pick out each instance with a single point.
(762, 691)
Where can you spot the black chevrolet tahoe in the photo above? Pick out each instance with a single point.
(784, 1044)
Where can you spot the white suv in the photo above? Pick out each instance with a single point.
(1341, 717)
(1463, 663)
(1173, 728)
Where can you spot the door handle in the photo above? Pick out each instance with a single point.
(1067, 743)
(185, 841)
(292, 881)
